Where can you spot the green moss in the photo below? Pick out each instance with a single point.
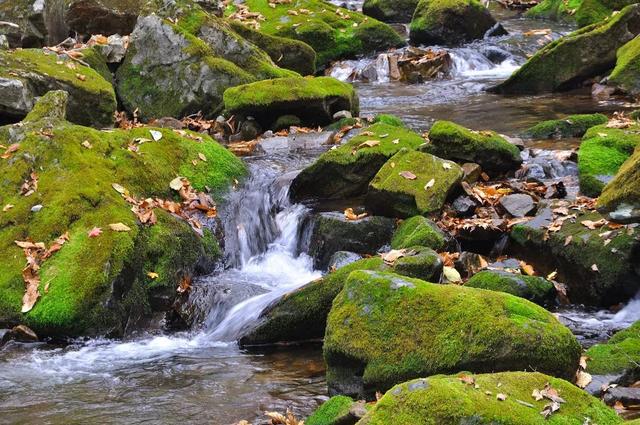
(602, 153)
(624, 190)
(420, 231)
(389, 120)
(487, 148)
(285, 122)
(582, 12)
(324, 29)
(571, 126)
(446, 400)
(392, 194)
(331, 411)
(347, 170)
(97, 61)
(625, 74)
(75, 190)
(532, 288)
(422, 263)
(399, 11)
(557, 10)
(615, 280)
(92, 99)
(619, 354)
(386, 328)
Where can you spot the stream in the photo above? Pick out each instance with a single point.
(202, 376)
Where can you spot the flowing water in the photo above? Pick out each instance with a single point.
(202, 376)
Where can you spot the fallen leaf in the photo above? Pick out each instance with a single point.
(395, 141)
(446, 165)
(552, 275)
(501, 397)
(527, 268)
(119, 188)
(119, 227)
(7, 207)
(583, 362)
(430, 184)
(583, 379)
(81, 77)
(568, 240)
(408, 175)
(349, 214)
(467, 379)
(176, 184)
(392, 256)
(202, 157)
(594, 267)
(549, 409)
(155, 135)
(537, 395)
(86, 144)
(153, 275)
(95, 232)
(369, 144)
(593, 225)
(451, 275)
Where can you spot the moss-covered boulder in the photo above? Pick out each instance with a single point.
(333, 32)
(486, 148)
(449, 22)
(620, 199)
(421, 263)
(29, 73)
(333, 232)
(449, 400)
(419, 231)
(576, 57)
(179, 69)
(347, 170)
(596, 273)
(106, 17)
(99, 282)
(313, 100)
(571, 126)
(384, 329)
(284, 52)
(412, 183)
(625, 76)
(619, 357)
(33, 23)
(335, 411)
(533, 288)
(390, 10)
(602, 152)
(582, 12)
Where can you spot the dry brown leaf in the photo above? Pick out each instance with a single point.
(593, 225)
(369, 144)
(583, 379)
(392, 256)
(408, 175)
(349, 214)
(429, 184)
(527, 268)
(467, 379)
(119, 227)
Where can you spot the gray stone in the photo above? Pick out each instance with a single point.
(342, 258)
(15, 97)
(625, 395)
(518, 205)
(342, 114)
(464, 206)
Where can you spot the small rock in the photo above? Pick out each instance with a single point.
(602, 92)
(4, 42)
(343, 258)
(168, 122)
(518, 205)
(464, 206)
(471, 171)
(627, 396)
(358, 409)
(21, 333)
(36, 208)
(342, 114)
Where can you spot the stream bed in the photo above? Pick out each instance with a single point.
(202, 376)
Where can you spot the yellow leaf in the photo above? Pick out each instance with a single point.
(202, 157)
(119, 227)
(153, 275)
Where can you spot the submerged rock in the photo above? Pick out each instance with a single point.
(602, 152)
(620, 199)
(384, 329)
(535, 289)
(27, 74)
(571, 126)
(449, 22)
(574, 58)
(313, 100)
(346, 171)
(412, 183)
(332, 232)
(596, 273)
(486, 148)
(100, 281)
(451, 400)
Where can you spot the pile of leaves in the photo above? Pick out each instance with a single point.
(276, 418)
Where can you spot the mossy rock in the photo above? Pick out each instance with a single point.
(333, 232)
(173, 70)
(421, 263)
(93, 57)
(567, 62)
(449, 22)
(619, 356)
(581, 12)
(384, 329)
(347, 170)
(323, 26)
(574, 250)
(98, 285)
(313, 100)
(389, 120)
(486, 148)
(433, 180)
(390, 10)
(620, 199)
(334, 411)
(533, 288)
(447, 400)
(419, 231)
(286, 122)
(602, 152)
(571, 126)
(30, 73)
(556, 10)
(285, 52)
(625, 75)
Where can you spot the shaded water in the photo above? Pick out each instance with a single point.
(202, 377)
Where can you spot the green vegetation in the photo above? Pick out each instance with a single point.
(621, 353)
(331, 411)
(87, 282)
(571, 126)
(624, 190)
(487, 148)
(625, 74)
(447, 400)
(432, 180)
(419, 231)
(325, 28)
(602, 153)
(384, 329)
(532, 288)
(582, 12)
(389, 120)
(400, 11)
